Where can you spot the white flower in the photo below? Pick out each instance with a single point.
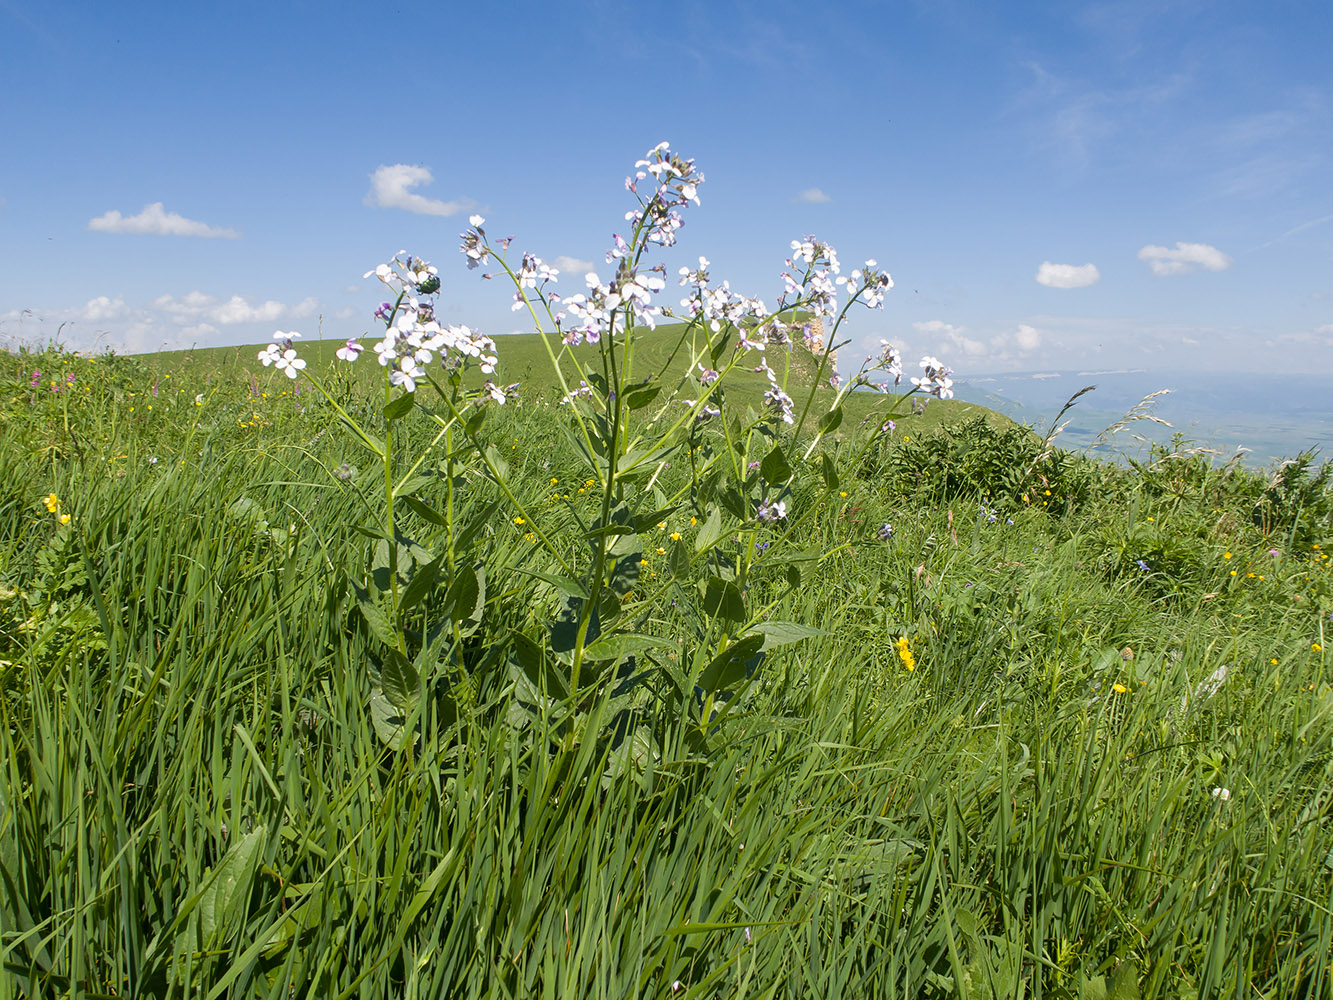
(475, 221)
(270, 354)
(769, 513)
(1222, 794)
(289, 363)
(350, 351)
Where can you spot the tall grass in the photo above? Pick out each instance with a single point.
(1068, 794)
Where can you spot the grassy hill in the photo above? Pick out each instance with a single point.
(923, 715)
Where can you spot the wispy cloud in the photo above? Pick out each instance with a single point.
(1067, 275)
(155, 220)
(573, 266)
(391, 187)
(195, 307)
(813, 196)
(1184, 258)
(1276, 239)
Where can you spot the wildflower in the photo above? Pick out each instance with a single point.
(350, 351)
(885, 532)
(1221, 794)
(1141, 565)
(1119, 688)
(1316, 647)
(344, 472)
(905, 654)
(661, 551)
(52, 502)
(1273, 660)
(1226, 555)
(936, 379)
(198, 399)
(675, 536)
(519, 520)
(37, 378)
(768, 513)
(64, 519)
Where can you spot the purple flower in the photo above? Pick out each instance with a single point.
(1141, 565)
(36, 377)
(885, 532)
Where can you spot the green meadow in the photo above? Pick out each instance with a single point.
(976, 717)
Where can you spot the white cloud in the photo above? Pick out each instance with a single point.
(1028, 337)
(155, 220)
(1067, 275)
(102, 308)
(813, 196)
(573, 266)
(351, 289)
(952, 335)
(1184, 258)
(195, 307)
(390, 187)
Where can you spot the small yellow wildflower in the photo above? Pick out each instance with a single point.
(661, 526)
(1226, 555)
(842, 493)
(661, 552)
(675, 536)
(1316, 647)
(554, 480)
(643, 562)
(519, 520)
(1249, 576)
(1119, 689)
(529, 537)
(905, 654)
(1273, 660)
(1233, 572)
(694, 520)
(64, 519)
(52, 502)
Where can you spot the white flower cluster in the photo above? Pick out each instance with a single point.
(282, 355)
(719, 307)
(871, 281)
(602, 310)
(936, 379)
(677, 185)
(782, 405)
(532, 273)
(819, 263)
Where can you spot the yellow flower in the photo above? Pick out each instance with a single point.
(1249, 576)
(694, 520)
(661, 552)
(519, 520)
(905, 654)
(675, 536)
(1226, 555)
(661, 526)
(1233, 572)
(52, 502)
(64, 519)
(554, 480)
(1119, 688)
(1316, 647)
(1273, 661)
(643, 562)
(842, 493)
(529, 537)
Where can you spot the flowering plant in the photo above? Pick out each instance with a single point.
(580, 669)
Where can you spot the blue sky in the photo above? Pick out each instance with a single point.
(1182, 150)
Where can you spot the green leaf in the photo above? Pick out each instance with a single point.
(494, 462)
(622, 644)
(1125, 982)
(774, 467)
(830, 421)
(637, 399)
(221, 906)
(733, 664)
(379, 623)
(561, 583)
(722, 599)
(400, 407)
(388, 721)
(625, 573)
(679, 560)
(423, 579)
(782, 633)
(710, 533)
(466, 597)
(649, 521)
(399, 680)
(423, 510)
(829, 471)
